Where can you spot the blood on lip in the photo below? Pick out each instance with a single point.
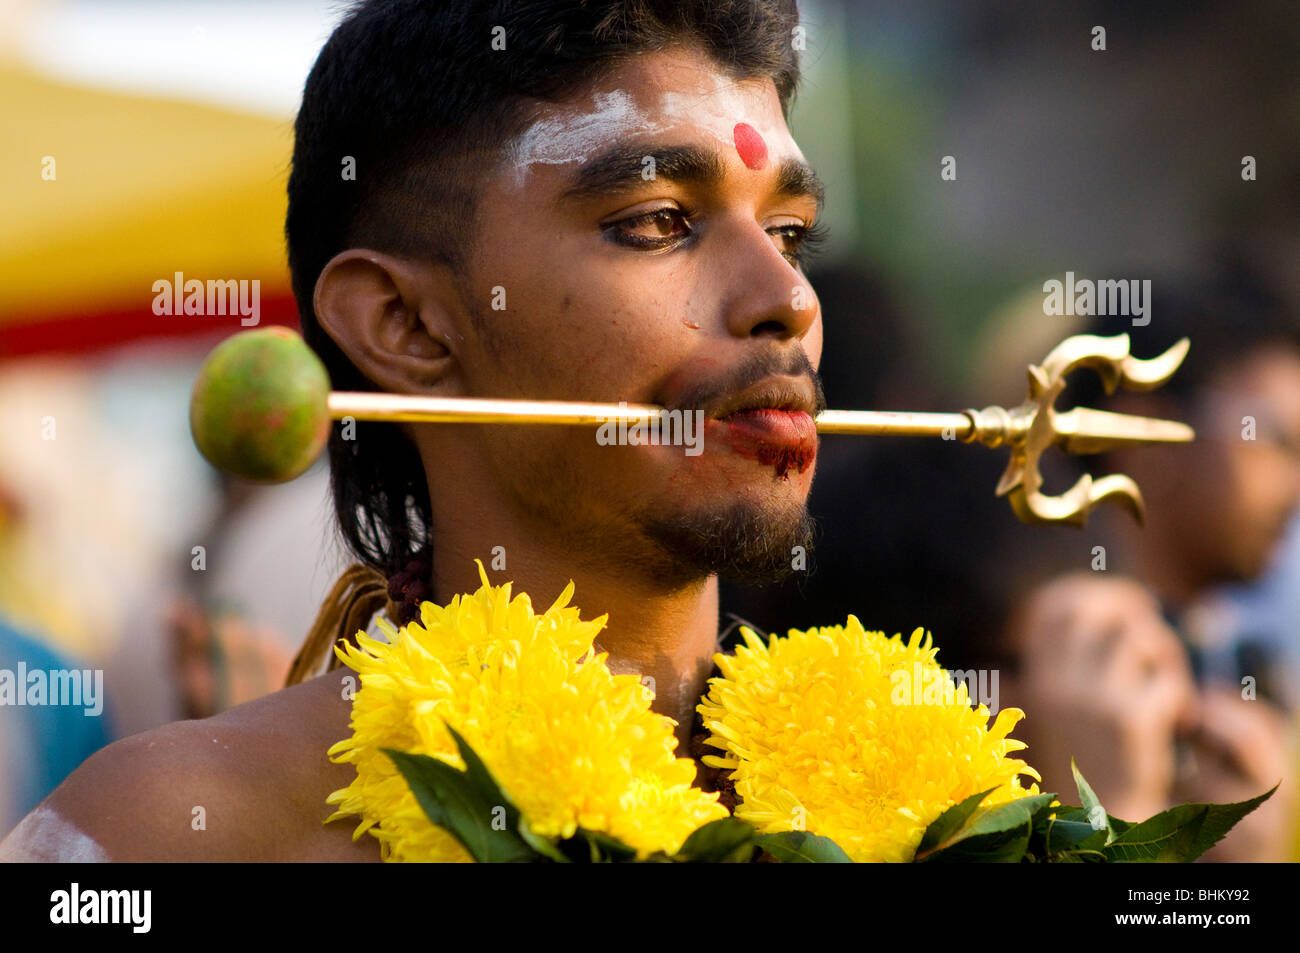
(793, 447)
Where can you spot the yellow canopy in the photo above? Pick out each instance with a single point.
(104, 194)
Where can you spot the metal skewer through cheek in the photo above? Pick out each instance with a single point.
(488, 410)
(1027, 429)
(362, 405)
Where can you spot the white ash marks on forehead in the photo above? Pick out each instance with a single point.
(727, 102)
(575, 138)
(718, 114)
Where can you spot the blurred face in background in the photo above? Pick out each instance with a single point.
(1241, 485)
(1257, 480)
(1218, 507)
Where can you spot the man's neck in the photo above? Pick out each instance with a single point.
(665, 637)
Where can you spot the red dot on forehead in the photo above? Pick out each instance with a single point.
(750, 145)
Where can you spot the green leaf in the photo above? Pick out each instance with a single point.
(478, 773)
(605, 848)
(726, 840)
(801, 847)
(1002, 817)
(1045, 809)
(1091, 804)
(950, 821)
(1070, 812)
(1067, 812)
(1080, 856)
(1060, 836)
(1182, 833)
(1015, 816)
(465, 804)
(543, 845)
(1167, 837)
(998, 847)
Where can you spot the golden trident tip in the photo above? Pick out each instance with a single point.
(1037, 425)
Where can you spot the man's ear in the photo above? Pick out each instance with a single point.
(391, 316)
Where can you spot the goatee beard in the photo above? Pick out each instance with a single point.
(739, 544)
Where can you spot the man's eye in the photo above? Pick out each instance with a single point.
(651, 230)
(789, 238)
(797, 242)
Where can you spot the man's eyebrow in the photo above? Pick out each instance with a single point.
(623, 167)
(796, 178)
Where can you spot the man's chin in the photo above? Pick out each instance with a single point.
(742, 543)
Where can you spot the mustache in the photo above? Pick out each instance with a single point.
(709, 392)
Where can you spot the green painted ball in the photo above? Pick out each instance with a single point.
(259, 408)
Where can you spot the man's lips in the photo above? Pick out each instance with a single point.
(771, 421)
(783, 393)
(783, 439)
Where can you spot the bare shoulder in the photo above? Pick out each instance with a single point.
(248, 784)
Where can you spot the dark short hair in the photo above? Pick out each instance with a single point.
(416, 95)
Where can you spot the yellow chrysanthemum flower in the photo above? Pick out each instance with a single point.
(571, 744)
(816, 739)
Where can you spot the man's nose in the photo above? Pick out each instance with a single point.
(769, 297)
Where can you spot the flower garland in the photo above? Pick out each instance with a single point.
(807, 725)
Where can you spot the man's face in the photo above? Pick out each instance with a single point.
(642, 238)
(1252, 486)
